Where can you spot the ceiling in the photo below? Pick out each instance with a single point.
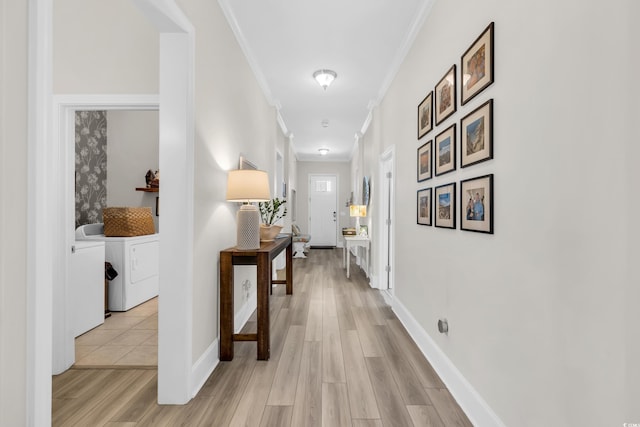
(363, 41)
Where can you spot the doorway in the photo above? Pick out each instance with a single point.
(64, 354)
(177, 378)
(114, 149)
(323, 210)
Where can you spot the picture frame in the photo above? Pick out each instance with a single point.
(476, 66)
(445, 151)
(424, 161)
(476, 135)
(445, 205)
(425, 115)
(445, 95)
(476, 204)
(364, 231)
(423, 204)
(243, 163)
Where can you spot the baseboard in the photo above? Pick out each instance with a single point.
(473, 405)
(387, 295)
(373, 281)
(205, 365)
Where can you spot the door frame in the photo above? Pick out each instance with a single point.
(64, 109)
(337, 177)
(387, 201)
(177, 119)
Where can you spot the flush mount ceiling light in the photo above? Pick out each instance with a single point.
(325, 77)
(323, 151)
(325, 123)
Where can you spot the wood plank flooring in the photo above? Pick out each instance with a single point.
(339, 357)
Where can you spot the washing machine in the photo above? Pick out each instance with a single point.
(136, 259)
(86, 293)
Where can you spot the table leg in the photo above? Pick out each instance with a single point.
(264, 284)
(367, 260)
(348, 260)
(226, 307)
(344, 255)
(289, 267)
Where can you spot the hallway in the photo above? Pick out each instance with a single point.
(340, 357)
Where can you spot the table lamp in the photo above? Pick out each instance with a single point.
(247, 186)
(358, 211)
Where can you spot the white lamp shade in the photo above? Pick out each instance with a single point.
(358, 210)
(248, 185)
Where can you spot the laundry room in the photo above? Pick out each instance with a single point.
(115, 276)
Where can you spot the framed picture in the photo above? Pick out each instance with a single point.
(245, 164)
(445, 145)
(476, 204)
(424, 162)
(476, 135)
(445, 201)
(424, 206)
(364, 231)
(425, 115)
(477, 66)
(446, 95)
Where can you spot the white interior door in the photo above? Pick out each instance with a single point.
(323, 210)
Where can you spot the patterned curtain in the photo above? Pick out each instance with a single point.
(91, 166)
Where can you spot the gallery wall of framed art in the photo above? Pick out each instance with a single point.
(438, 158)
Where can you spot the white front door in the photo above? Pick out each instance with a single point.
(323, 211)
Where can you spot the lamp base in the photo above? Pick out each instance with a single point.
(248, 219)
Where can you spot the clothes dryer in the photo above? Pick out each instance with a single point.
(136, 259)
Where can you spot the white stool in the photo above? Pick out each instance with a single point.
(298, 250)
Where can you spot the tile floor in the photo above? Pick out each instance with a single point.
(125, 339)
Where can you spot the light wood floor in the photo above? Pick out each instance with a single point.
(339, 357)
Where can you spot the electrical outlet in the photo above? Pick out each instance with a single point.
(443, 326)
(246, 286)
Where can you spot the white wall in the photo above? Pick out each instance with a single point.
(537, 310)
(132, 149)
(13, 212)
(103, 47)
(343, 171)
(232, 117)
(632, 290)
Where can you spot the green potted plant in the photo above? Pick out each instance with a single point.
(271, 212)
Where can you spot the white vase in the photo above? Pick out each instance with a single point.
(268, 233)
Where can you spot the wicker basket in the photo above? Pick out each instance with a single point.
(127, 222)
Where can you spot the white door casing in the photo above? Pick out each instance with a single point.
(65, 107)
(323, 209)
(387, 220)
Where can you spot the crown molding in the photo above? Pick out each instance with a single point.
(248, 53)
(412, 33)
(283, 125)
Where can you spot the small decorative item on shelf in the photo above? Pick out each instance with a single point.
(152, 179)
(270, 212)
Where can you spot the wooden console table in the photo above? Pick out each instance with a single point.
(262, 258)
